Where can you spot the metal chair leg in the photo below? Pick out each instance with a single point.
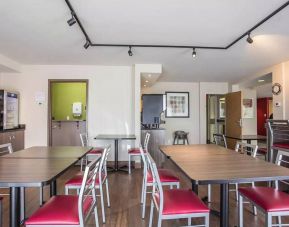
(41, 196)
(240, 206)
(129, 164)
(151, 214)
(102, 203)
(107, 193)
(268, 220)
(209, 193)
(144, 201)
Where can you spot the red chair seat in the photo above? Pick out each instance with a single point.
(281, 145)
(165, 176)
(77, 180)
(96, 150)
(262, 151)
(59, 210)
(269, 199)
(179, 201)
(135, 150)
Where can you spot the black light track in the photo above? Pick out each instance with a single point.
(173, 46)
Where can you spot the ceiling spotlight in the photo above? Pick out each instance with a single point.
(130, 52)
(194, 54)
(71, 21)
(261, 80)
(147, 81)
(87, 44)
(249, 39)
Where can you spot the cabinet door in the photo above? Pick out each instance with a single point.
(18, 140)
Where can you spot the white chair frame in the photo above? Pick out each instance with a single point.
(157, 187)
(87, 190)
(146, 141)
(268, 215)
(146, 184)
(102, 180)
(88, 157)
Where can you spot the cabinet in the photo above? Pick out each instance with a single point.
(15, 137)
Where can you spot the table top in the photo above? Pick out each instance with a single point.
(212, 164)
(247, 137)
(114, 137)
(18, 172)
(73, 152)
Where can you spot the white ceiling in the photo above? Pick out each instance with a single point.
(36, 32)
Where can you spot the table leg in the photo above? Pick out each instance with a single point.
(224, 205)
(22, 195)
(116, 155)
(195, 188)
(14, 207)
(53, 188)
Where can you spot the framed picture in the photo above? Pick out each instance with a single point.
(248, 108)
(177, 104)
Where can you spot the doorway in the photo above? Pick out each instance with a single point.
(215, 116)
(67, 111)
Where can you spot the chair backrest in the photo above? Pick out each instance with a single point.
(282, 159)
(102, 174)
(5, 149)
(220, 139)
(87, 195)
(83, 139)
(146, 141)
(145, 162)
(157, 191)
(278, 131)
(245, 148)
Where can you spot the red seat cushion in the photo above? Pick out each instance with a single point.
(77, 180)
(181, 201)
(262, 150)
(59, 210)
(165, 176)
(135, 150)
(269, 199)
(96, 150)
(281, 145)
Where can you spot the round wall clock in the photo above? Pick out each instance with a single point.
(276, 89)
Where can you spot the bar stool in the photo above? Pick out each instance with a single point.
(167, 178)
(70, 210)
(175, 203)
(180, 135)
(271, 201)
(136, 151)
(101, 179)
(92, 154)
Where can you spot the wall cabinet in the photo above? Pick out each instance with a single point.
(15, 137)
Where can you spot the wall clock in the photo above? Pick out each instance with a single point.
(276, 89)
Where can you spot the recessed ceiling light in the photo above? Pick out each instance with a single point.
(150, 75)
(147, 81)
(144, 85)
(261, 80)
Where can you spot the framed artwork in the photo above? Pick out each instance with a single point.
(248, 108)
(177, 105)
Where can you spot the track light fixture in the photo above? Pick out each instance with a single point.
(130, 52)
(71, 21)
(249, 39)
(194, 54)
(87, 44)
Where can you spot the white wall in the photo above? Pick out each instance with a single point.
(110, 99)
(208, 88)
(190, 124)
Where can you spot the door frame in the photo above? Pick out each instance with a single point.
(49, 118)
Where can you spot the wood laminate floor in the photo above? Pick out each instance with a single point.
(125, 192)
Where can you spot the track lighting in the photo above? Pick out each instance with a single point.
(130, 52)
(71, 21)
(249, 39)
(87, 44)
(194, 54)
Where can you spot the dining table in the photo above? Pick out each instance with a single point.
(35, 167)
(248, 138)
(206, 164)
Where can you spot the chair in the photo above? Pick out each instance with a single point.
(136, 151)
(92, 154)
(5, 149)
(174, 203)
(70, 210)
(101, 179)
(180, 135)
(220, 139)
(167, 178)
(271, 201)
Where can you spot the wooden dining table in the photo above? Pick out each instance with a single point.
(35, 167)
(211, 164)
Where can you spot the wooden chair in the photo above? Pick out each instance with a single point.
(101, 179)
(167, 178)
(92, 154)
(271, 201)
(132, 152)
(70, 210)
(175, 203)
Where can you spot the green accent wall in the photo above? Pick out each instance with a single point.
(63, 94)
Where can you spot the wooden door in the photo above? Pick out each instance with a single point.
(233, 117)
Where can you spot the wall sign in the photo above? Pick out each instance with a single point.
(248, 109)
